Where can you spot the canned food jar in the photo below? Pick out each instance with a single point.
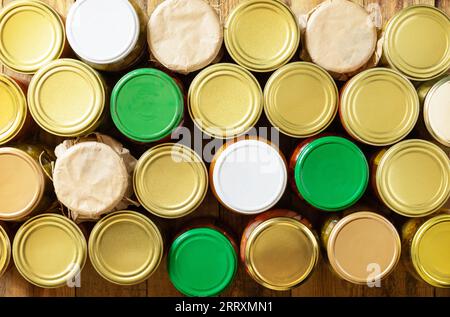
(170, 180)
(31, 35)
(256, 44)
(300, 99)
(248, 175)
(107, 40)
(417, 42)
(412, 177)
(67, 98)
(147, 105)
(92, 176)
(379, 107)
(5, 251)
(49, 251)
(185, 36)
(329, 172)
(125, 247)
(225, 100)
(362, 247)
(279, 249)
(25, 186)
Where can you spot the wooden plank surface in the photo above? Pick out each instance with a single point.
(322, 283)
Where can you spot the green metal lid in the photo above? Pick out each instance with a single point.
(331, 173)
(147, 105)
(201, 262)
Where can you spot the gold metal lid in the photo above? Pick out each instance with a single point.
(31, 35)
(5, 251)
(22, 184)
(125, 247)
(225, 100)
(417, 42)
(170, 180)
(413, 178)
(362, 244)
(257, 44)
(300, 99)
(379, 106)
(281, 253)
(14, 109)
(66, 97)
(49, 250)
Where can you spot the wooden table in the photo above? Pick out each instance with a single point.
(322, 282)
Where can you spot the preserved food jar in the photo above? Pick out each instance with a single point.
(5, 251)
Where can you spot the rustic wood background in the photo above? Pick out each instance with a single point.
(322, 283)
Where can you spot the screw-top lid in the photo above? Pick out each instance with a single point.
(5, 251)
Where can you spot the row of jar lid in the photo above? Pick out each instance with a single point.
(187, 35)
(278, 248)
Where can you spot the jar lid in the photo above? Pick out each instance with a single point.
(436, 111)
(256, 44)
(49, 250)
(331, 173)
(363, 247)
(31, 35)
(281, 253)
(22, 184)
(248, 176)
(300, 99)
(413, 178)
(5, 251)
(102, 36)
(429, 251)
(417, 42)
(379, 106)
(147, 105)
(14, 109)
(125, 247)
(70, 83)
(201, 262)
(157, 180)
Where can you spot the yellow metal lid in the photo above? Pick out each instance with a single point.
(417, 42)
(430, 251)
(300, 99)
(225, 100)
(379, 106)
(413, 178)
(281, 253)
(261, 35)
(5, 251)
(361, 245)
(49, 250)
(14, 109)
(125, 247)
(31, 35)
(66, 97)
(170, 180)
(22, 184)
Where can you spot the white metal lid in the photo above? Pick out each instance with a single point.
(437, 111)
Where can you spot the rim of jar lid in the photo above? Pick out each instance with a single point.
(39, 179)
(228, 149)
(172, 209)
(19, 109)
(399, 205)
(428, 104)
(117, 275)
(391, 40)
(308, 237)
(329, 100)
(123, 123)
(436, 278)
(237, 126)
(35, 226)
(350, 114)
(254, 63)
(58, 39)
(67, 127)
(360, 215)
(78, 48)
(5, 251)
